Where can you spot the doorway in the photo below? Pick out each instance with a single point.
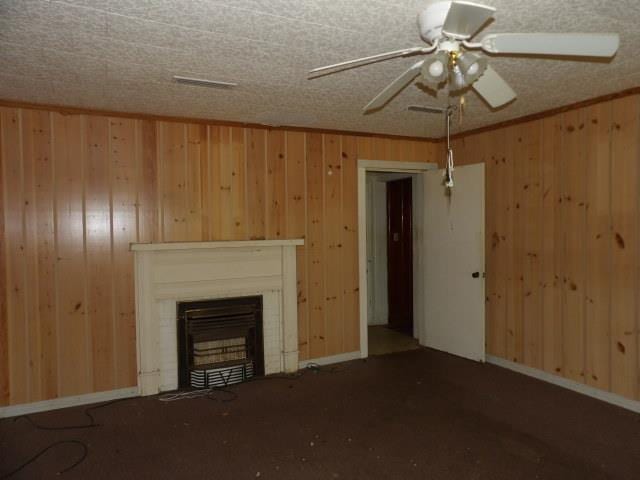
(448, 234)
(400, 255)
(390, 244)
(374, 307)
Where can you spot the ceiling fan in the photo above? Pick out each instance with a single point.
(448, 27)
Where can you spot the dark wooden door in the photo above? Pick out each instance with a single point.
(400, 255)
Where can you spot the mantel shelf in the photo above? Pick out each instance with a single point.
(137, 247)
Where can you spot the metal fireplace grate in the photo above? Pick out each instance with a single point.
(220, 377)
(220, 341)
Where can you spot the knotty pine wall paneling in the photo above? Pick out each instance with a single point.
(100, 272)
(574, 253)
(349, 239)
(314, 244)
(149, 225)
(515, 243)
(552, 254)
(625, 206)
(562, 240)
(276, 186)
(530, 211)
(124, 136)
(493, 152)
(77, 189)
(296, 226)
(256, 168)
(18, 356)
(332, 244)
(73, 328)
(598, 243)
(562, 235)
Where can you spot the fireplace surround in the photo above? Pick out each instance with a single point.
(168, 274)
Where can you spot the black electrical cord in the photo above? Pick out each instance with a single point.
(230, 395)
(211, 393)
(85, 451)
(310, 368)
(92, 424)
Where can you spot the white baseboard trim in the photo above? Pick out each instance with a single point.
(588, 390)
(64, 402)
(342, 357)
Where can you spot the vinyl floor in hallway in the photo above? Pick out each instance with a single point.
(385, 340)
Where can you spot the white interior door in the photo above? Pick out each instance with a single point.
(454, 263)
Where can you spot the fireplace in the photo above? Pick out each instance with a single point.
(177, 280)
(219, 341)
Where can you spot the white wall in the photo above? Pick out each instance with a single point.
(378, 312)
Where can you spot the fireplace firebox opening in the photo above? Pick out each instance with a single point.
(219, 342)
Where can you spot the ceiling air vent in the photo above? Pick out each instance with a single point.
(200, 82)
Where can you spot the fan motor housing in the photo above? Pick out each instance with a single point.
(431, 20)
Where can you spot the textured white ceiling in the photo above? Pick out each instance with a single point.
(121, 54)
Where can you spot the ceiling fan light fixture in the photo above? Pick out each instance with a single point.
(457, 80)
(448, 27)
(434, 69)
(472, 66)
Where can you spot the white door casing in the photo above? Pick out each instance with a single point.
(371, 278)
(417, 168)
(454, 250)
(377, 251)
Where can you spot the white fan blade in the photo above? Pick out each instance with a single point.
(492, 87)
(394, 87)
(373, 58)
(578, 44)
(465, 18)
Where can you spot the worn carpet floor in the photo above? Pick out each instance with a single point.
(410, 415)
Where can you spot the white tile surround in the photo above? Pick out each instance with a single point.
(167, 273)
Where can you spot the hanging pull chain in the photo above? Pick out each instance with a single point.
(448, 171)
(448, 176)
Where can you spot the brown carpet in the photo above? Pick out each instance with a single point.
(410, 415)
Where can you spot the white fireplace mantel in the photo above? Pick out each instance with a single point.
(167, 273)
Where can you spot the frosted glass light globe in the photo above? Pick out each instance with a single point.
(436, 69)
(473, 69)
